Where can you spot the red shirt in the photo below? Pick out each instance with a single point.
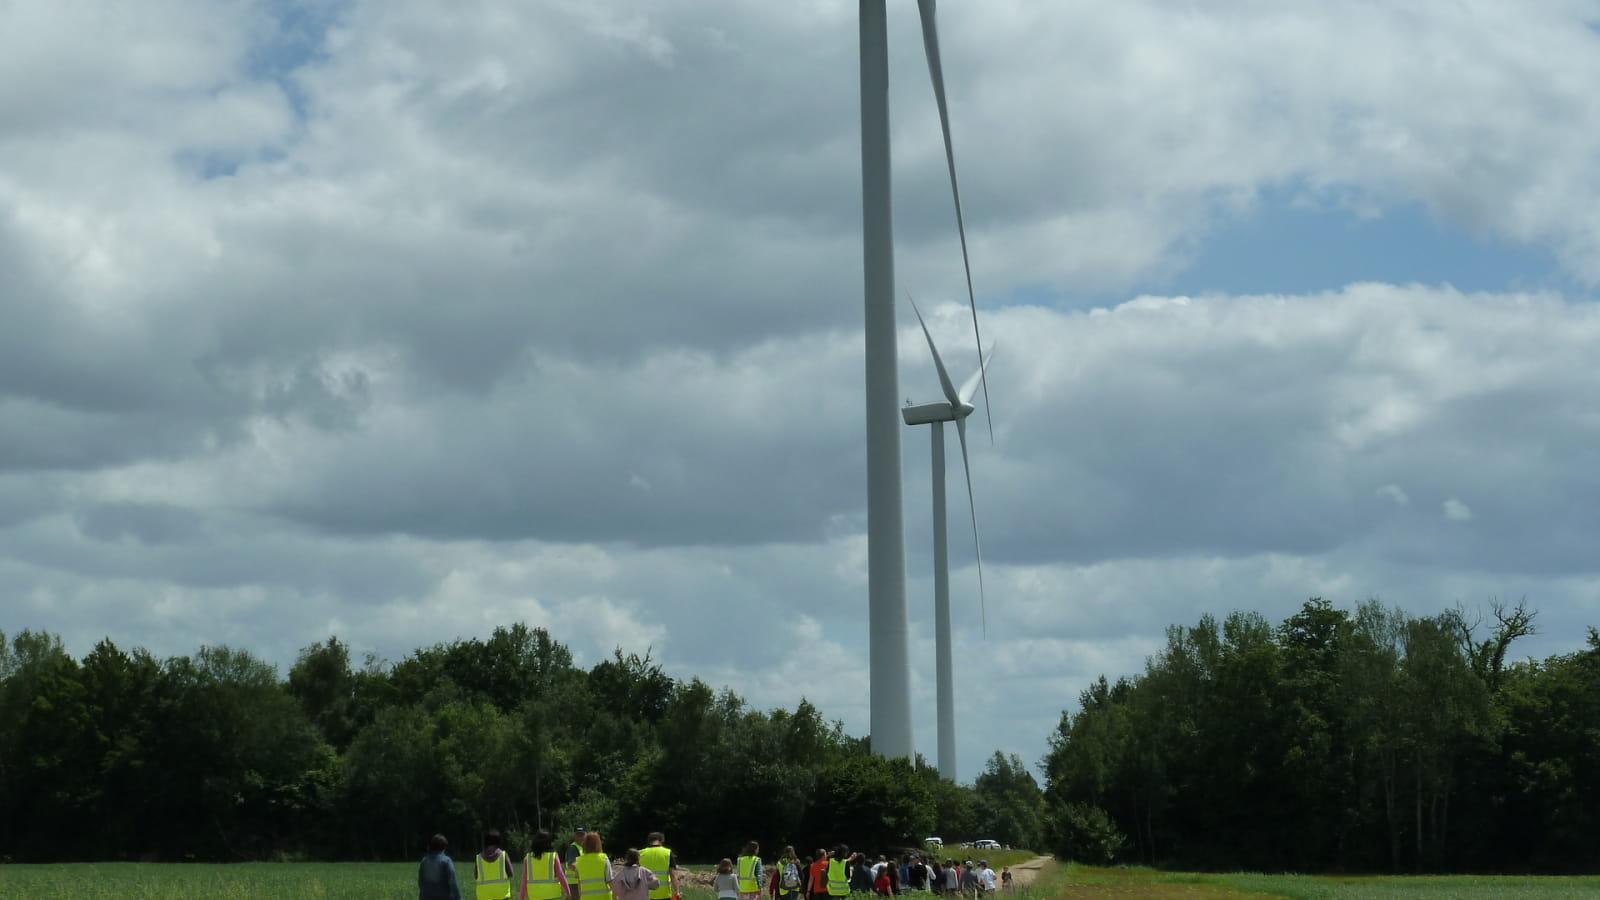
(819, 877)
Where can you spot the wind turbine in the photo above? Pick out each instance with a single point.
(889, 664)
(955, 407)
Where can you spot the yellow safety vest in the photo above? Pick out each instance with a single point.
(592, 876)
(493, 878)
(658, 860)
(837, 885)
(747, 874)
(547, 886)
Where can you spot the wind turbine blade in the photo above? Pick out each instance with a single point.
(983, 367)
(944, 377)
(930, 45)
(983, 602)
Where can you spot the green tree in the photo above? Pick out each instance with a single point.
(235, 750)
(46, 782)
(326, 689)
(120, 694)
(865, 800)
(1009, 802)
(1447, 713)
(395, 779)
(1551, 753)
(955, 806)
(479, 751)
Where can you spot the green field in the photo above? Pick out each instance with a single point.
(201, 881)
(397, 881)
(1083, 881)
(236, 881)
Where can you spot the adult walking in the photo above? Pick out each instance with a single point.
(594, 869)
(574, 848)
(436, 876)
(749, 871)
(491, 869)
(657, 857)
(817, 883)
(985, 878)
(969, 880)
(543, 875)
(636, 880)
(788, 880)
(861, 875)
(838, 882)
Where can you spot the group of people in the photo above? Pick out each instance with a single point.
(583, 871)
(912, 872)
(648, 874)
(840, 872)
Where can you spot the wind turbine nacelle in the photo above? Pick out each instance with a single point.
(927, 413)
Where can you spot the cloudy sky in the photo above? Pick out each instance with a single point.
(400, 320)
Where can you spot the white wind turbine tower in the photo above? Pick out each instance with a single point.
(956, 406)
(889, 666)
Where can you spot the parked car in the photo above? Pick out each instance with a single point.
(986, 844)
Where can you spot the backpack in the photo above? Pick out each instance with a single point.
(791, 877)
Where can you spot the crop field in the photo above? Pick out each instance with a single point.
(397, 881)
(236, 881)
(1085, 882)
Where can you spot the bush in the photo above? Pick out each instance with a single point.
(1082, 833)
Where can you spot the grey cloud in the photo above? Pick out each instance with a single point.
(426, 340)
(137, 545)
(145, 523)
(734, 453)
(24, 498)
(1257, 424)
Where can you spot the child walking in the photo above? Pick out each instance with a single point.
(727, 883)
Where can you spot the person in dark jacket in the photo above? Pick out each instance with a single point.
(861, 875)
(436, 877)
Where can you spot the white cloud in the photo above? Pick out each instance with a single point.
(1394, 493)
(550, 311)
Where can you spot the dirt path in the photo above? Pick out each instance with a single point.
(1026, 872)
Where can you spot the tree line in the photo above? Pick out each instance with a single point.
(1357, 741)
(213, 756)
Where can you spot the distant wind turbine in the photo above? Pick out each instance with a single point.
(956, 406)
(889, 665)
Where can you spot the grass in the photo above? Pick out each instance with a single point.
(1084, 881)
(397, 881)
(235, 881)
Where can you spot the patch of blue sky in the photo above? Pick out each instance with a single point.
(293, 37)
(209, 164)
(296, 40)
(1285, 246)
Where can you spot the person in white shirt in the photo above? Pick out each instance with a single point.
(985, 878)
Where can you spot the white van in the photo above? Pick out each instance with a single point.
(986, 845)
